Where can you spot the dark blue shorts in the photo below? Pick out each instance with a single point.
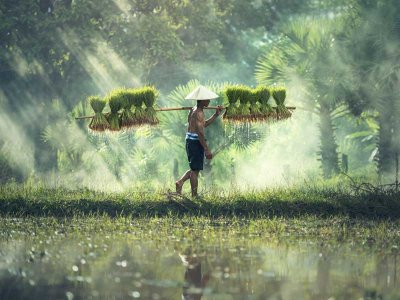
(195, 153)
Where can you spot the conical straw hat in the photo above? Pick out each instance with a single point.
(201, 93)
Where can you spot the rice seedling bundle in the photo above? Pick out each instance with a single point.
(150, 95)
(99, 121)
(139, 114)
(263, 96)
(253, 104)
(245, 105)
(232, 95)
(137, 101)
(115, 99)
(255, 111)
(127, 118)
(279, 95)
(244, 99)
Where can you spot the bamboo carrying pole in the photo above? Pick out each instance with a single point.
(180, 108)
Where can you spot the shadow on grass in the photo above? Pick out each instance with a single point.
(251, 206)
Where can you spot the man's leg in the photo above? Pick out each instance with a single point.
(181, 181)
(194, 175)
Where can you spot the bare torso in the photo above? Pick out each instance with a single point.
(194, 117)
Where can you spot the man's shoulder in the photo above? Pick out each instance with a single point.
(197, 112)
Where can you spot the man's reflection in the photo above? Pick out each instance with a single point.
(195, 280)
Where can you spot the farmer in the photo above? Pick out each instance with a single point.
(196, 145)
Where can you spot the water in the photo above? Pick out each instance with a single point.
(143, 263)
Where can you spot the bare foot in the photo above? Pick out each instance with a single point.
(178, 187)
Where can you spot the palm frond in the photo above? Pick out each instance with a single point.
(243, 136)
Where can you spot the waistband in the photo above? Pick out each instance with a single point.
(192, 136)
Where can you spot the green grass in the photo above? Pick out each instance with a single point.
(321, 202)
(189, 228)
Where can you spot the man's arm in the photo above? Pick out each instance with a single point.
(200, 124)
(213, 117)
(210, 120)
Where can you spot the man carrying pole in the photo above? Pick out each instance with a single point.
(196, 145)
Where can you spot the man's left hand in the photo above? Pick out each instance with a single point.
(218, 111)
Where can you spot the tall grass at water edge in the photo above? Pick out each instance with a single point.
(320, 200)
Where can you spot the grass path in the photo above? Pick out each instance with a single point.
(296, 202)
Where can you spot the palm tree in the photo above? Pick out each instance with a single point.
(303, 57)
(373, 55)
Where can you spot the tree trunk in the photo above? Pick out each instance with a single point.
(387, 136)
(328, 150)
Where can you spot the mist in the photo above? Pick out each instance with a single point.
(48, 73)
(287, 155)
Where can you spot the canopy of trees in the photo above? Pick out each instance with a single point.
(341, 56)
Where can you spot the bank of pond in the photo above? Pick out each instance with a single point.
(323, 202)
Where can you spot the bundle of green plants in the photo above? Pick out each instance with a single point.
(99, 121)
(150, 95)
(232, 95)
(255, 111)
(127, 118)
(263, 95)
(243, 111)
(139, 114)
(279, 95)
(115, 100)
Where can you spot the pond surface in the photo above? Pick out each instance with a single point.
(200, 263)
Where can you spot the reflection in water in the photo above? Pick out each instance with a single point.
(195, 280)
(323, 272)
(123, 267)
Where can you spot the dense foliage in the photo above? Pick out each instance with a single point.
(338, 59)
